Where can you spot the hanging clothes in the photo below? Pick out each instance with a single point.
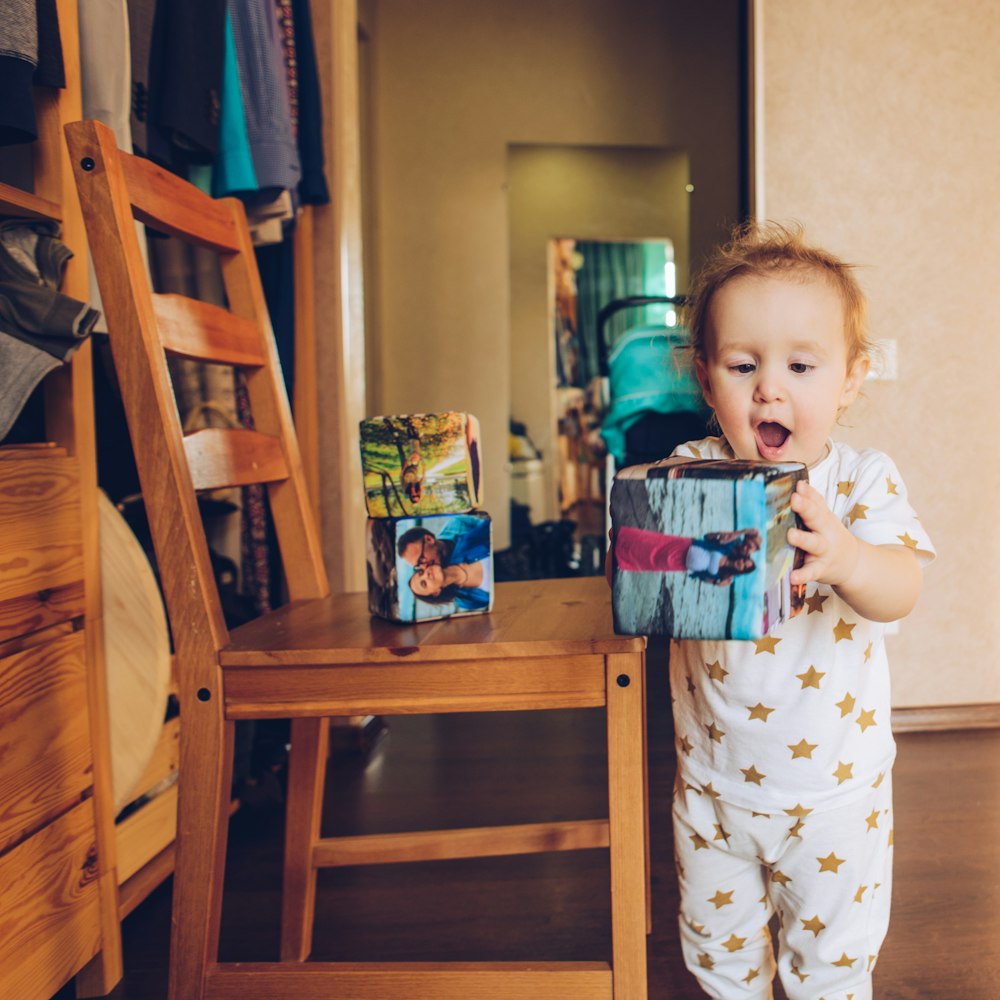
(30, 55)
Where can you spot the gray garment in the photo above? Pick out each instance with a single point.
(19, 30)
(264, 85)
(105, 67)
(39, 326)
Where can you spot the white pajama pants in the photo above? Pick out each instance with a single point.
(828, 876)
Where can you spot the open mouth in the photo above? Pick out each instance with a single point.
(772, 436)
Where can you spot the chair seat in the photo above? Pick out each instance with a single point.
(543, 648)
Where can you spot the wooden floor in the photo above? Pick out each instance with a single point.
(944, 941)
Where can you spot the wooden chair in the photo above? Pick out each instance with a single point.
(548, 644)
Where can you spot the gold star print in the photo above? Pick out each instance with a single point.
(694, 451)
(705, 961)
(759, 711)
(714, 733)
(868, 652)
(857, 513)
(815, 602)
(890, 486)
(691, 788)
(803, 976)
(734, 943)
(860, 893)
(796, 828)
(763, 900)
(844, 489)
(721, 834)
(691, 687)
(766, 645)
(721, 899)
(846, 705)
(698, 840)
(765, 815)
(751, 975)
(717, 672)
(687, 746)
(843, 772)
(780, 877)
(802, 749)
(910, 543)
(811, 678)
(866, 718)
(844, 961)
(697, 928)
(843, 630)
(814, 924)
(709, 790)
(871, 961)
(752, 774)
(831, 863)
(872, 820)
(892, 831)
(878, 780)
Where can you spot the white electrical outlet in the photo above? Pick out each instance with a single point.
(885, 367)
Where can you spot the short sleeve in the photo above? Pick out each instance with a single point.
(877, 508)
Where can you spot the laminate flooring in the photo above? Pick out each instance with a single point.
(943, 944)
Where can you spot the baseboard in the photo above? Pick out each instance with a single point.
(943, 717)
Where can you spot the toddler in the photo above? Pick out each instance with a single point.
(783, 796)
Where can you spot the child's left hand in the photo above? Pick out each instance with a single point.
(832, 552)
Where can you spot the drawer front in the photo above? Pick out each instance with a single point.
(45, 751)
(40, 530)
(50, 923)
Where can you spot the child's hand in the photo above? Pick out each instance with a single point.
(832, 552)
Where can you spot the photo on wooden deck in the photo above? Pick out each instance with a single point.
(700, 548)
(423, 463)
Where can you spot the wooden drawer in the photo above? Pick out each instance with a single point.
(45, 750)
(50, 922)
(40, 527)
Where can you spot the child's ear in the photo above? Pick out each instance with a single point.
(701, 373)
(856, 375)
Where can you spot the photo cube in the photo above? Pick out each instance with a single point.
(423, 463)
(700, 548)
(425, 568)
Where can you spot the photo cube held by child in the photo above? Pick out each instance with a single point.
(700, 549)
(426, 568)
(424, 463)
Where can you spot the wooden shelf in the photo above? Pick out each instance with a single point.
(14, 201)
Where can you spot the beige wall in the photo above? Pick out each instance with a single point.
(880, 134)
(453, 83)
(589, 193)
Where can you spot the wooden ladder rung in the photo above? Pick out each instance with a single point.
(412, 980)
(473, 842)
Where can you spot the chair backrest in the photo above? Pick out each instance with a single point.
(144, 327)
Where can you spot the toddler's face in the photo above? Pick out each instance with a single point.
(776, 369)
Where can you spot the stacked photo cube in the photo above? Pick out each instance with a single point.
(429, 546)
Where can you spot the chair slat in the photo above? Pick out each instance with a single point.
(221, 456)
(194, 329)
(177, 208)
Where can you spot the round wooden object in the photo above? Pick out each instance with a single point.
(136, 652)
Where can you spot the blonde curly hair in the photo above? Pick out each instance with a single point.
(771, 249)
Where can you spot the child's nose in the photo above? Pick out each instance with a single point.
(768, 387)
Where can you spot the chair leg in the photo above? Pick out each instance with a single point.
(306, 774)
(205, 789)
(626, 815)
(645, 802)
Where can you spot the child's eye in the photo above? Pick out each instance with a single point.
(742, 369)
(800, 367)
